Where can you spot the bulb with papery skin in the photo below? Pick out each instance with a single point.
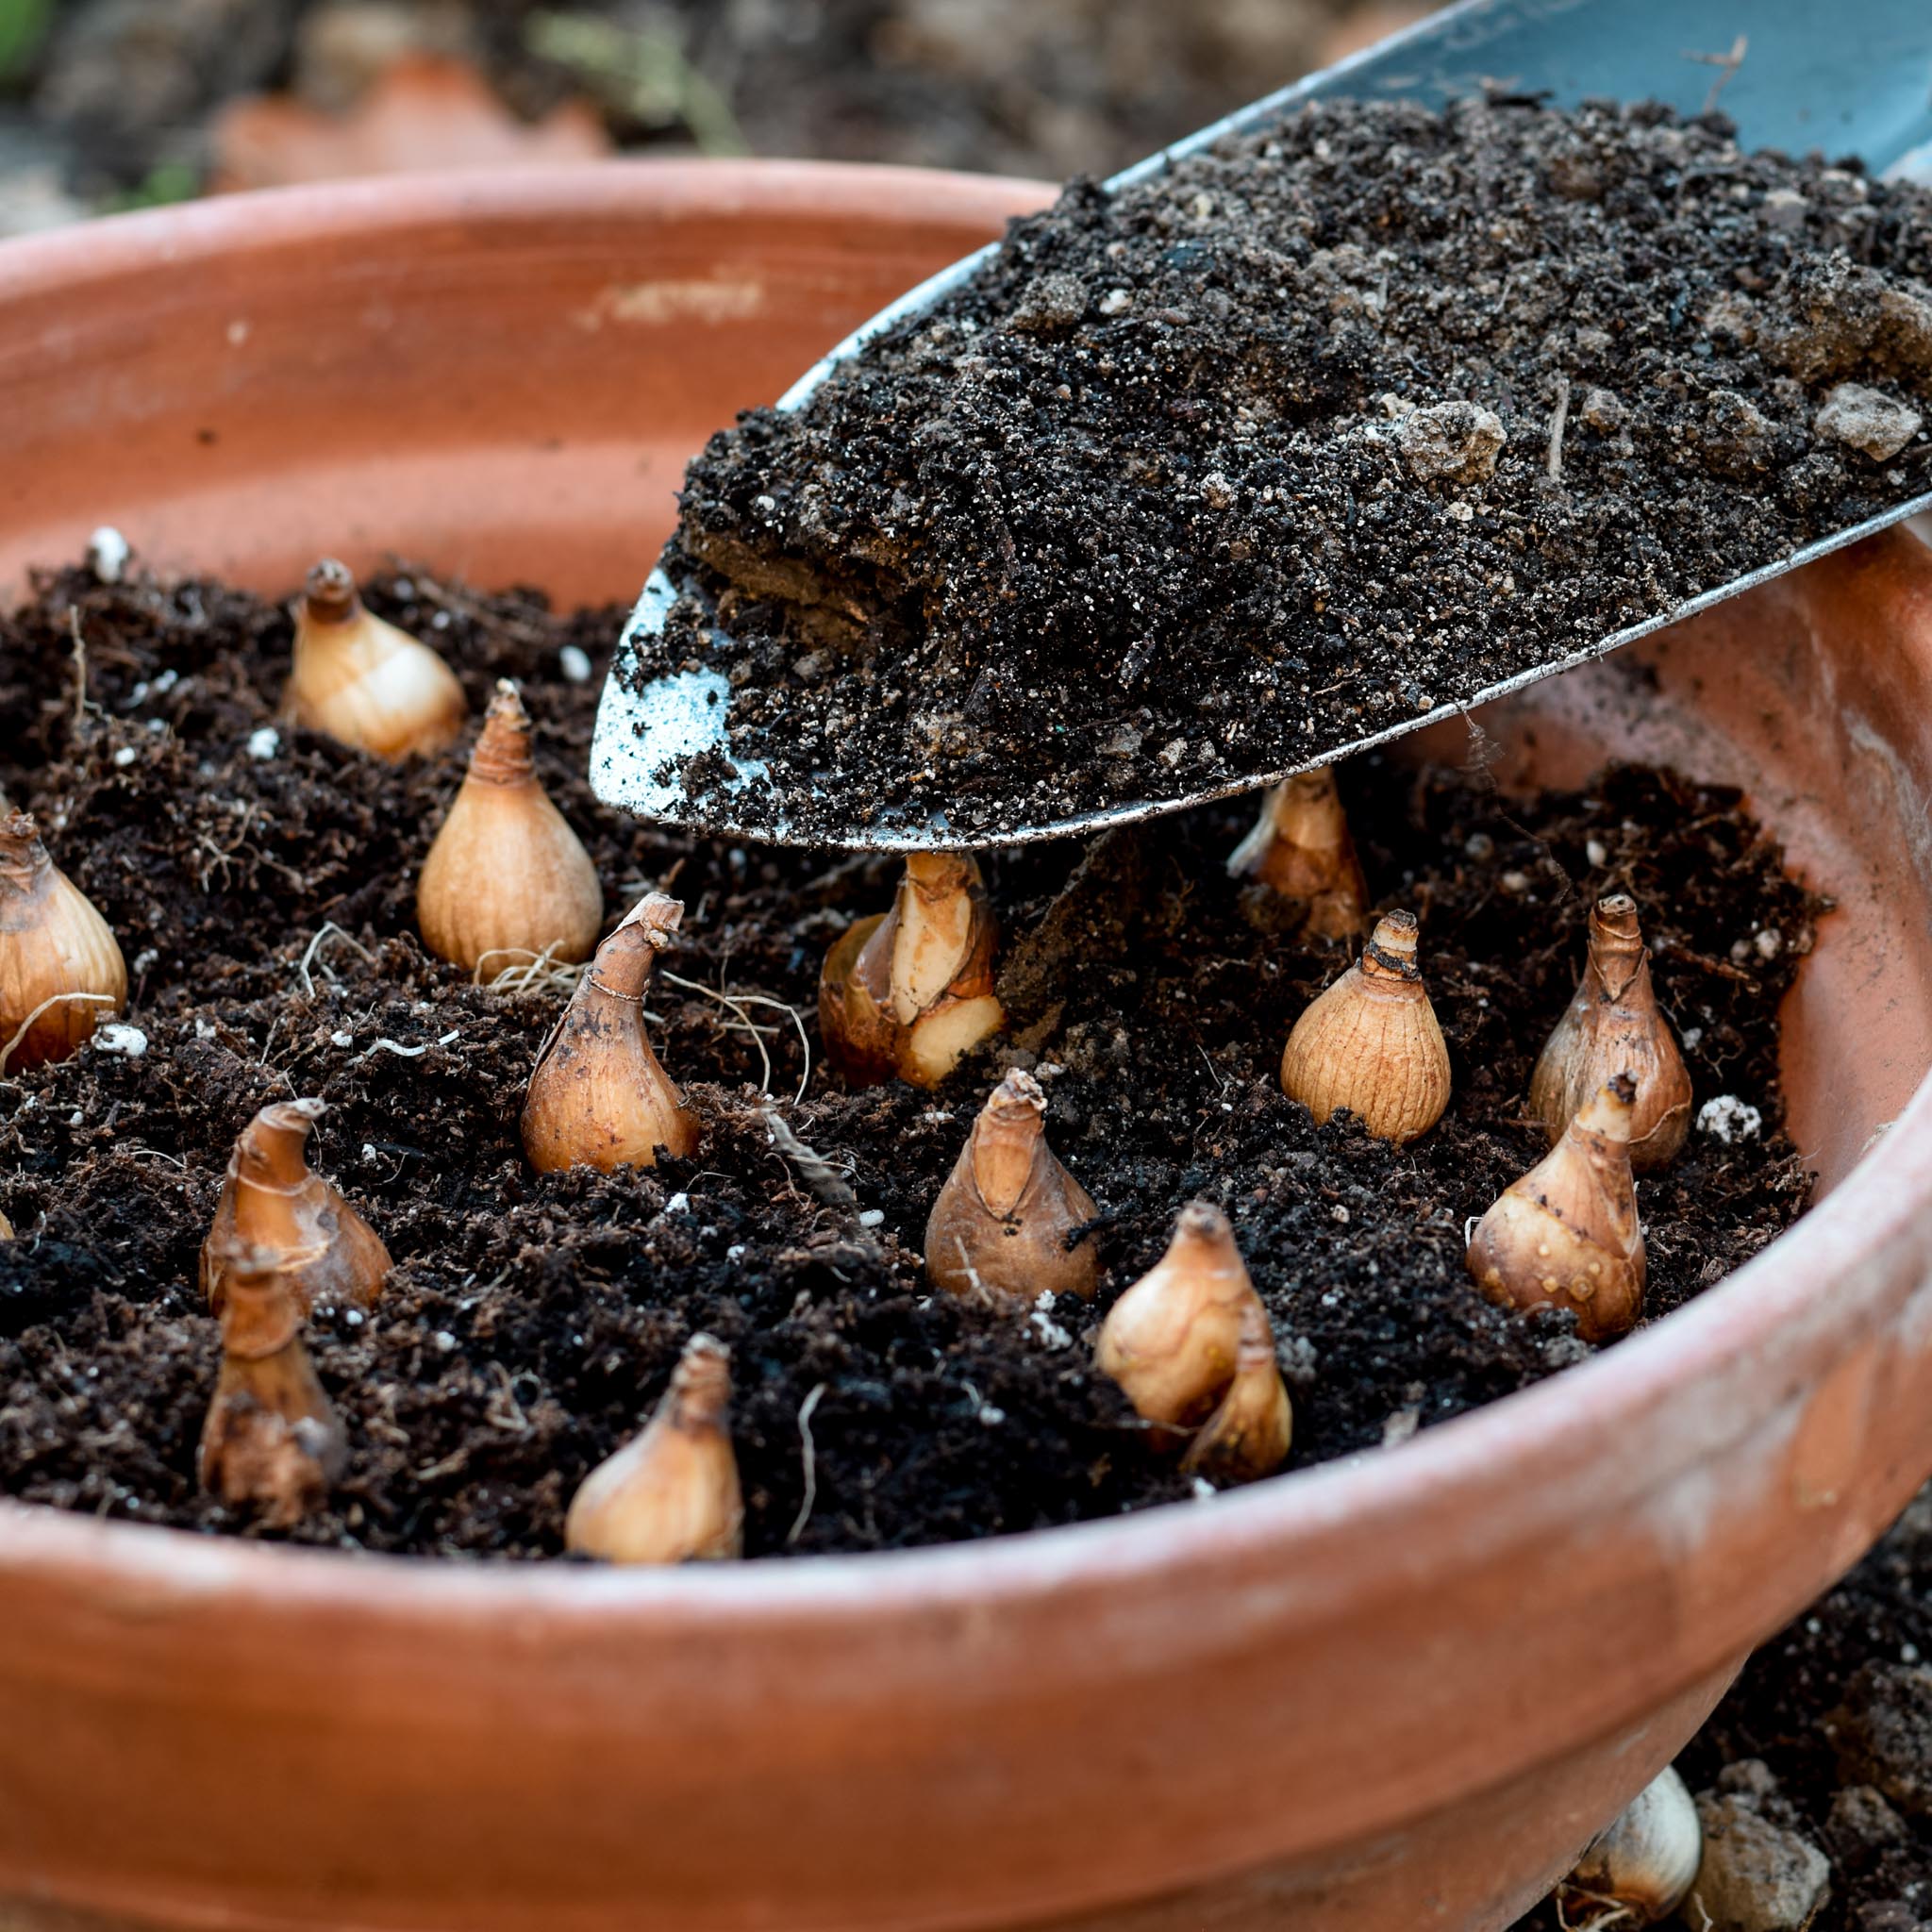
(1371, 1042)
(909, 991)
(998, 1231)
(1614, 1025)
(507, 880)
(62, 973)
(1302, 851)
(272, 1203)
(364, 682)
(598, 1097)
(1566, 1234)
(671, 1494)
(1247, 1434)
(1645, 1863)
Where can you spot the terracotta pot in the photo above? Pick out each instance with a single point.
(1397, 1690)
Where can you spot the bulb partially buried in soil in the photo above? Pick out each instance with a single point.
(1301, 850)
(1645, 1863)
(1613, 1025)
(273, 1204)
(62, 973)
(1192, 1349)
(909, 991)
(1566, 1234)
(271, 1437)
(671, 1494)
(598, 1098)
(361, 680)
(998, 1231)
(507, 880)
(1371, 1042)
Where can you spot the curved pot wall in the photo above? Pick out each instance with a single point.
(1395, 1692)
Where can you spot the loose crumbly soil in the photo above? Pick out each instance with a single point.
(262, 890)
(1192, 482)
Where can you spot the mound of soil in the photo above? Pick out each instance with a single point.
(262, 883)
(1330, 426)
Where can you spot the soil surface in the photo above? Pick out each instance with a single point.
(1314, 433)
(262, 883)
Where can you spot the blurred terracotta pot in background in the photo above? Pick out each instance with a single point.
(1398, 1690)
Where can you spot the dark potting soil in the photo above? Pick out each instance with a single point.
(1307, 436)
(262, 883)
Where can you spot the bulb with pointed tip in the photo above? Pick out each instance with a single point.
(272, 1203)
(1566, 1235)
(598, 1098)
(909, 991)
(271, 1437)
(62, 973)
(671, 1494)
(1613, 1025)
(1301, 849)
(1185, 1335)
(1371, 1043)
(998, 1231)
(362, 681)
(1648, 1860)
(507, 880)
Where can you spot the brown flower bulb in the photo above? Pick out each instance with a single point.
(998, 1231)
(1301, 849)
(1185, 1345)
(61, 968)
(671, 1494)
(362, 681)
(1371, 1043)
(273, 1203)
(271, 1437)
(1613, 1025)
(909, 991)
(1645, 1863)
(598, 1098)
(1566, 1235)
(506, 879)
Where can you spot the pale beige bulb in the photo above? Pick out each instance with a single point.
(1647, 1861)
(1371, 1042)
(273, 1205)
(362, 681)
(998, 1231)
(507, 880)
(1566, 1234)
(1614, 1025)
(271, 1437)
(671, 1494)
(1250, 1430)
(598, 1098)
(909, 991)
(1301, 849)
(62, 973)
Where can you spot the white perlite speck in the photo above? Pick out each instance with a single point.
(1729, 1120)
(264, 742)
(575, 663)
(130, 1042)
(1868, 420)
(106, 554)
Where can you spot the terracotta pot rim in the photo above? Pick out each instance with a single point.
(1574, 1423)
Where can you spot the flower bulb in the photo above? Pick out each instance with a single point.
(1566, 1235)
(998, 1231)
(362, 681)
(271, 1437)
(1613, 1025)
(1371, 1042)
(507, 880)
(1301, 850)
(61, 968)
(909, 991)
(1647, 1861)
(271, 1203)
(598, 1098)
(671, 1494)
(1248, 1433)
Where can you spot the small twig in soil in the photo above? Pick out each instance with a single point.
(385, 1044)
(79, 673)
(1558, 420)
(99, 999)
(817, 1174)
(808, 1456)
(1728, 65)
(329, 930)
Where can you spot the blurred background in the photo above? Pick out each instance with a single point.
(113, 104)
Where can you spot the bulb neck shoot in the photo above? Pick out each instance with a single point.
(1617, 952)
(329, 594)
(1388, 958)
(701, 1384)
(23, 861)
(503, 754)
(626, 959)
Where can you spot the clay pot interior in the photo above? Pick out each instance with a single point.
(501, 378)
